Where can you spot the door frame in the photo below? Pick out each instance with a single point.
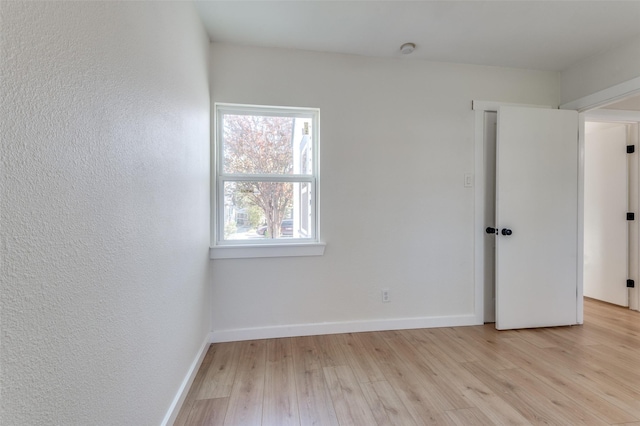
(585, 106)
(480, 194)
(582, 105)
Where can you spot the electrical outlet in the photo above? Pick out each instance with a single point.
(385, 295)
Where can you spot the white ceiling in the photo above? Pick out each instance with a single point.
(544, 35)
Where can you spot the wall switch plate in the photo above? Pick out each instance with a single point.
(468, 180)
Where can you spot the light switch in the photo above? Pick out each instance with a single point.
(468, 180)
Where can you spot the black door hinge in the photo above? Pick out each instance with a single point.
(631, 284)
(631, 149)
(631, 216)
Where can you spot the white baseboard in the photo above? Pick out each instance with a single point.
(239, 334)
(178, 400)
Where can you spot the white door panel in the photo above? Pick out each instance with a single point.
(537, 198)
(605, 206)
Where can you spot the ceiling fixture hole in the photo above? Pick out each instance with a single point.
(407, 48)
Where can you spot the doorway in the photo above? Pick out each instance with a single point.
(621, 120)
(531, 179)
(610, 205)
(485, 187)
(490, 126)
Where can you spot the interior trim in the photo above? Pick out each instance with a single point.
(314, 329)
(181, 395)
(612, 115)
(606, 96)
(266, 250)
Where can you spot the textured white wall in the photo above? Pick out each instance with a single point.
(397, 138)
(105, 203)
(602, 71)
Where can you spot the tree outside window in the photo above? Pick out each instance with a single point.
(266, 177)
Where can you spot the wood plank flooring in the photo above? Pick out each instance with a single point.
(586, 374)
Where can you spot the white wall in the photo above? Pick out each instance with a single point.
(105, 204)
(396, 140)
(599, 72)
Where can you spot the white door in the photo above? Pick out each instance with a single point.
(606, 199)
(537, 217)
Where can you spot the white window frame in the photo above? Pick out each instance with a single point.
(280, 247)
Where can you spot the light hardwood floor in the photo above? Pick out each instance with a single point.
(586, 374)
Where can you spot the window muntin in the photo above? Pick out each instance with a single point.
(266, 175)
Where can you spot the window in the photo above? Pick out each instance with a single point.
(266, 176)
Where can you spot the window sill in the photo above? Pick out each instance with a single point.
(273, 250)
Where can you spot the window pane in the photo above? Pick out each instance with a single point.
(302, 209)
(267, 210)
(257, 144)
